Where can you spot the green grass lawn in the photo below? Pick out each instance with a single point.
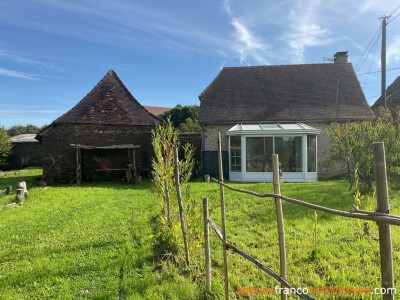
(94, 242)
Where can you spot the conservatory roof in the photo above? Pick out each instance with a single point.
(272, 129)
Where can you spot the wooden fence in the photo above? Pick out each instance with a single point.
(381, 217)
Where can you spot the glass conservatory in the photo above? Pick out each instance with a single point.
(251, 147)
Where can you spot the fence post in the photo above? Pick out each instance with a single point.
(9, 190)
(222, 198)
(207, 245)
(279, 216)
(385, 239)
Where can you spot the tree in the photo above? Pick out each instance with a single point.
(21, 129)
(352, 144)
(189, 126)
(166, 171)
(184, 118)
(5, 146)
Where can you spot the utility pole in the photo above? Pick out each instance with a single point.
(383, 60)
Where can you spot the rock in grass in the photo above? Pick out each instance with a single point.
(11, 205)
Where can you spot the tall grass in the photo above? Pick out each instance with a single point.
(94, 242)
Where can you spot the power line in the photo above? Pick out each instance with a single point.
(391, 14)
(370, 65)
(391, 20)
(369, 48)
(367, 73)
(394, 10)
(372, 97)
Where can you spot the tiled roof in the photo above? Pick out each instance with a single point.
(286, 93)
(392, 97)
(109, 102)
(157, 110)
(24, 138)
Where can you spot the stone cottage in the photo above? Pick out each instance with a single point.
(283, 109)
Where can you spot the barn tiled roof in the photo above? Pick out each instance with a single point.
(392, 98)
(157, 110)
(109, 102)
(285, 93)
(24, 138)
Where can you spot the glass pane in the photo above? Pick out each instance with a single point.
(290, 155)
(270, 126)
(311, 153)
(259, 154)
(236, 159)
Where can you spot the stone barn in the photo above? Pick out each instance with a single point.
(26, 152)
(104, 135)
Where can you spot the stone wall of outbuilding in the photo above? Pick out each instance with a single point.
(25, 154)
(59, 157)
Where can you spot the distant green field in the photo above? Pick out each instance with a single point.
(94, 242)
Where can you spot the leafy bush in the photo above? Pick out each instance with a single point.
(5, 146)
(185, 118)
(21, 129)
(352, 144)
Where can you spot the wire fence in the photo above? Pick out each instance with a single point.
(381, 217)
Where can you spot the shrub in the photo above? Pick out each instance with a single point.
(352, 144)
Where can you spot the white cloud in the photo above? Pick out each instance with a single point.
(378, 6)
(393, 51)
(304, 30)
(16, 74)
(22, 60)
(30, 111)
(248, 46)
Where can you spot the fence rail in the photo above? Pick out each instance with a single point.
(355, 213)
(381, 217)
(256, 262)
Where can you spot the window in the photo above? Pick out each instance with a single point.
(236, 158)
(259, 154)
(311, 153)
(289, 149)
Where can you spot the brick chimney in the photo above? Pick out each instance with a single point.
(340, 57)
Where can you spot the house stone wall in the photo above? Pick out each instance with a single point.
(210, 136)
(56, 146)
(324, 143)
(210, 149)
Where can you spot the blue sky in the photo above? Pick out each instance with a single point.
(53, 52)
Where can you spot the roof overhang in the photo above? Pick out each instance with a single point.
(272, 129)
(24, 138)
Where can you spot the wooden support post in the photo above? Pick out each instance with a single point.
(135, 174)
(9, 190)
(222, 198)
(279, 217)
(179, 196)
(207, 252)
(385, 239)
(78, 166)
